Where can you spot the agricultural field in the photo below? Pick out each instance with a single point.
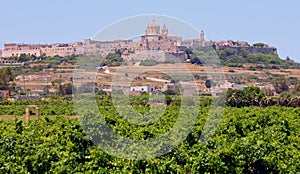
(247, 140)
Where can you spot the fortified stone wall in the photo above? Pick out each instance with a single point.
(159, 56)
(177, 57)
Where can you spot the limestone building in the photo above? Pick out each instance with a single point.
(157, 39)
(13, 49)
(16, 50)
(62, 50)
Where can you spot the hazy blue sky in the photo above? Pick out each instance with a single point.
(37, 21)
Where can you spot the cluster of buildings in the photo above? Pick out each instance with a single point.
(157, 43)
(38, 50)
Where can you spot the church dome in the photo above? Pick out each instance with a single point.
(153, 28)
(153, 24)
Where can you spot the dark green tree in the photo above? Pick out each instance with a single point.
(6, 76)
(209, 83)
(280, 84)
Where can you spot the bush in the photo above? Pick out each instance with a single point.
(170, 92)
(249, 96)
(148, 62)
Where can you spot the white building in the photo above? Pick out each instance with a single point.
(142, 88)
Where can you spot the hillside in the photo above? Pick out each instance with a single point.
(55, 74)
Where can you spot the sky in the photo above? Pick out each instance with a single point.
(39, 21)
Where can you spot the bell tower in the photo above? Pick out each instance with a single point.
(202, 40)
(164, 30)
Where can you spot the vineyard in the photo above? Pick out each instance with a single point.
(247, 140)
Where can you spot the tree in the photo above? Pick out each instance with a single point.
(170, 92)
(296, 89)
(254, 95)
(196, 60)
(236, 98)
(293, 80)
(24, 58)
(280, 84)
(285, 99)
(188, 52)
(259, 44)
(100, 91)
(67, 89)
(250, 96)
(197, 76)
(243, 52)
(46, 89)
(112, 60)
(209, 83)
(229, 51)
(6, 76)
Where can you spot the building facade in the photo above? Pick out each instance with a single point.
(16, 50)
(142, 88)
(11, 50)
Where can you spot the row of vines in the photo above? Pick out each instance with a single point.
(247, 140)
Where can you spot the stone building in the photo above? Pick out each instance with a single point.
(156, 44)
(196, 43)
(157, 39)
(13, 49)
(62, 50)
(93, 47)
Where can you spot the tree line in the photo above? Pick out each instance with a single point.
(254, 96)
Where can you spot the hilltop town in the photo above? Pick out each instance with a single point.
(157, 42)
(48, 68)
